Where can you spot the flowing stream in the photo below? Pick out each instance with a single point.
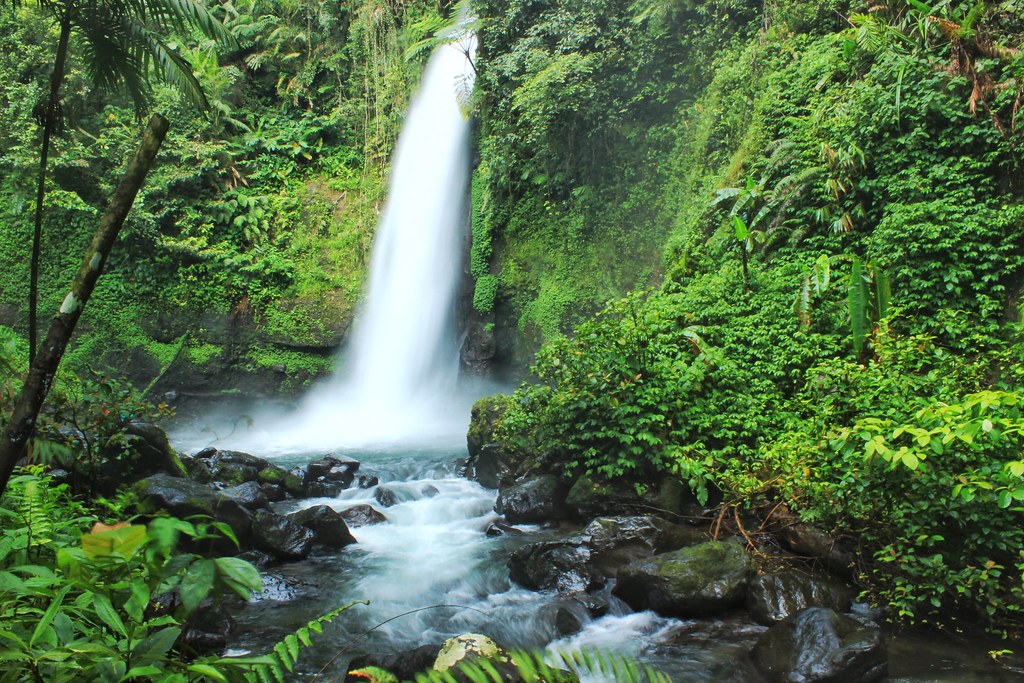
(430, 571)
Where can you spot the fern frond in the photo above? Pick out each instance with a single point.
(276, 665)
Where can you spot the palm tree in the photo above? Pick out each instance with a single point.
(122, 45)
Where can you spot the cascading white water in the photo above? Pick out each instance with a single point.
(397, 383)
(403, 352)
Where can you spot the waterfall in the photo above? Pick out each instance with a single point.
(397, 378)
(404, 350)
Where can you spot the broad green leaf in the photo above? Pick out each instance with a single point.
(119, 540)
(197, 583)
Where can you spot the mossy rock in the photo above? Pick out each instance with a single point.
(699, 580)
(279, 476)
(484, 419)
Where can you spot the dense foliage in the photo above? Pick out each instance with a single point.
(835, 329)
(251, 238)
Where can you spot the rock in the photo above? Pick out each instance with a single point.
(699, 580)
(773, 597)
(536, 500)
(818, 645)
(366, 481)
(484, 417)
(491, 467)
(208, 627)
(567, 615)
(589, 498)
(184, 498)
(326, 524)
(199, 469)
(429, 491)
(562, 565)
(250, 495)
(207, 452)
(385, 496)
(328, 476)
(809, 541)
(278, 476)
(281, 537)
(154, 449)
(362, 515)
(235, 467)
(467, 647)
(616, 541)
(322, 488)
(273, 492)
(499, 527)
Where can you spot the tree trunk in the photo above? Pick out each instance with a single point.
(50, 117)
(43, 369)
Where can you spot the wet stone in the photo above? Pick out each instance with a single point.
(362, 515)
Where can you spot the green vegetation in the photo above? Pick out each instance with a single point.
(263, 205)
(839, 195)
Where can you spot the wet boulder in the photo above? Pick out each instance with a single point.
(385, 496)
(818, 645)
(499, 527)
(362, 515)
(699, 580)
(235, 467)
(366, 481)
(562, 565)
(153, 447)
(617, 541)
(589, 498)
(183, 498)
(532, 501)
(274, 476)
(483, 420)
(773, 597)
(329, 476)
(327, 525)
(282, 537)
(249, 495)
(491, 467)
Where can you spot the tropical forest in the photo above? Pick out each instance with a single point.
(512, 340)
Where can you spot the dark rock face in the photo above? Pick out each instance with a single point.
(282, 537)
(699, 580)
(616, 541)
(807, 540)
(773, 597)
(184, 497)
(483, 419)
(385, 496)
(587, 560)
(362, 515)
(366, 481)
(235, 467)
(553, 565)
(818, 645)
(491, 467)
(272, 475)
(588, 499)
(540, 499)
(329, 476)
(429, 491)
(154, 449)
(249, 495)
(327, 525)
